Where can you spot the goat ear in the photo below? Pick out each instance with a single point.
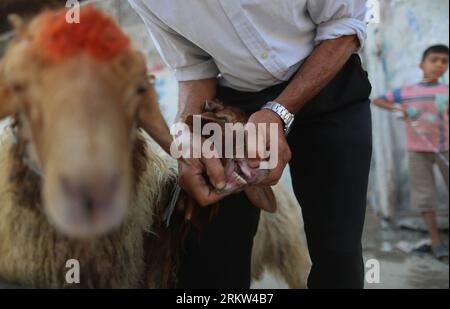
(213, 106)
(204, 119)
(262, 197)
(152, 121)
(7, 102)
(211, 118)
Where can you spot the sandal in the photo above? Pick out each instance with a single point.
(440, 252)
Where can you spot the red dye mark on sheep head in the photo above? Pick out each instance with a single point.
(97, 34)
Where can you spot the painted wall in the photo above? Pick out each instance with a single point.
(392, 56)
(165, 82)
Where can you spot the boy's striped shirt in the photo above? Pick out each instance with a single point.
(428, 110)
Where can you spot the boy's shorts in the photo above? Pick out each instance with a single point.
(424, 193)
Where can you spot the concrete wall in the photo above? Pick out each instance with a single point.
(392, 56)
(132, 24)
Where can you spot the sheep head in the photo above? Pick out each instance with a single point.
(80, 91)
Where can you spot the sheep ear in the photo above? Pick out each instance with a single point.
(19, 25)
(7, 103)
(262, 198)
(152, 121)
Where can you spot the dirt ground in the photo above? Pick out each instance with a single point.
(398, 269)
(389, 245)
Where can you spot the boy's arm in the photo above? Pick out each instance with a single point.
(389, 104)
(383, 103)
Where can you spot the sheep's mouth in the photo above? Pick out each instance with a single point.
(240, 174)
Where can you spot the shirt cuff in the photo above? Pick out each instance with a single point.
(202, 70)
(337, 28)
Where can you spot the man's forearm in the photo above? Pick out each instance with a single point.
(319, 69)
(192, 95)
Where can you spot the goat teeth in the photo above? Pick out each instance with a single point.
(239, 179)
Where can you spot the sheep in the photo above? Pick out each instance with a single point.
(77, 167)
(79, 178)
(33, 253)
(280, 245)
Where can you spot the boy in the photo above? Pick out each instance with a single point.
(425, 107)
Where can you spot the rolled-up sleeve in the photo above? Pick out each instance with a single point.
(188, 61)
(337, 18)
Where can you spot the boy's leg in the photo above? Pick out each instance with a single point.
(424, 192)
(443, 165)
(433, 230)
(330, 167)
(442, 162)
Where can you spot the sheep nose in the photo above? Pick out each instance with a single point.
(88, 202)
(89, 196)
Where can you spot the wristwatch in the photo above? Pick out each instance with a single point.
(287, 117)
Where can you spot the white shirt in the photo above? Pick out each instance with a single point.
(252, 44)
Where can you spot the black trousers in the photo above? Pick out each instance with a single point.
(331, 144)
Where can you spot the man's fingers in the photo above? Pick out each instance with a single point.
(189, 213)
(197, 187)
(214, 168)
(216, 172)
(284, 156)
(181, 204)
(254, 163)
(256, 141)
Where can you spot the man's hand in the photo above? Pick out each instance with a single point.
(269, 117)
(200, 178)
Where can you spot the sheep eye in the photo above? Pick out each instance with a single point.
(141, 90)
(18, 88)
